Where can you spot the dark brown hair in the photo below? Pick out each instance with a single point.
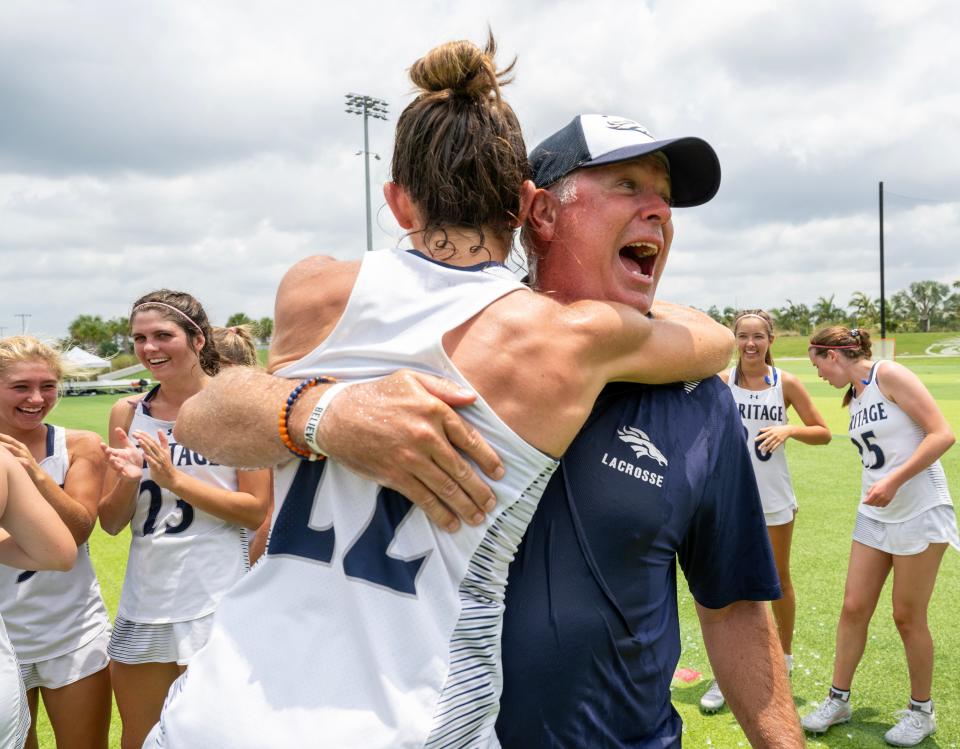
(459, 153)
(189, 315)
(768, 358)
(851, 343)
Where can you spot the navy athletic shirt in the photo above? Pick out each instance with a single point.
(591, 637)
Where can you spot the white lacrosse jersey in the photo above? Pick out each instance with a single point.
(182, 559)
(49, 614)
(365, 625)
(760, 409)
(886, 437)
(14, 713)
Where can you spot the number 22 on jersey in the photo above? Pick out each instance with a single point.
(366, 556)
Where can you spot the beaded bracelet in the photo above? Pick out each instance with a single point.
(285, 417)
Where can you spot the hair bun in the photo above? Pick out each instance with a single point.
(462, 68)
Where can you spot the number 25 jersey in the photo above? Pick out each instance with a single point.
(365, 625)
(886, 437)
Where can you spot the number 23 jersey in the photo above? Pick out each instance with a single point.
(182, 559)
(886, 437)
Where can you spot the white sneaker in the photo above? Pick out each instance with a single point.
(712, 699)
(914, 726)
(831, 712)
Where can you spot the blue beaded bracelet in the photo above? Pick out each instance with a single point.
(284, 419)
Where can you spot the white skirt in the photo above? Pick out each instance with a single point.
(934, 526)
(68, 668)
(781, 517)
(176, 642)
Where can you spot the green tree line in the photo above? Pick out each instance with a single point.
(112, 337)
(923, 307)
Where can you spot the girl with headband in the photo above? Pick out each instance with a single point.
(188, 516)
(56, 621)
(763, 394)
(905, 520)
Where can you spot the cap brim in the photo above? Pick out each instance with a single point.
(694, 167)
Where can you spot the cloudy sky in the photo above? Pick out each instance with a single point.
(204, 145)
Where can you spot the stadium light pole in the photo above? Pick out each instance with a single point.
(883, 304)
(23, 320)
(368, 107)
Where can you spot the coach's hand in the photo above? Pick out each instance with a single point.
(402, 432)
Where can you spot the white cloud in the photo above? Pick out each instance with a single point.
(205, 146)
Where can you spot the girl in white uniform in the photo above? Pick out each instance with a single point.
(187, 515)
(56, 621)
(365, 625)
(32, 537)
(905, 520)
(763, 394)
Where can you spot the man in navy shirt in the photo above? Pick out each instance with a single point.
(591, 635)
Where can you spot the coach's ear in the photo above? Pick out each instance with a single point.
(543, 213)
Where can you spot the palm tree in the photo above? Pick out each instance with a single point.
(89, 332)
(238, 318)
(796, 317)
(826, 312)
(264, 329)
(927, 297)
(901, 313)
(865, 310)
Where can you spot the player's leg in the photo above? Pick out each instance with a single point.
(80, 712)
(866, 572)
(33, 701)
(140, 690)
(913, 579)
(785, 609)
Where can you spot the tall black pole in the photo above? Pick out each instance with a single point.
(883, 304)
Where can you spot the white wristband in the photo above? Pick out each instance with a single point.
(313, 423)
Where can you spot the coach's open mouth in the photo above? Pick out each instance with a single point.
(639, 257)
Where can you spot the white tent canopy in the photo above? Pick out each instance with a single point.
(78, 356)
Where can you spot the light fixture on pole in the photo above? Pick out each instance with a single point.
(23, 320)
(368, 107)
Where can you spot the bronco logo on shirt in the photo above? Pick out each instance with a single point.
(643, 447)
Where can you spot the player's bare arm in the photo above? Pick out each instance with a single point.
(76, 502)
(121, 479)
(814, 429)
(904, 388)
(34, 536)
(681, 344)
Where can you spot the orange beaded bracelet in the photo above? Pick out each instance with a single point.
(283, 421)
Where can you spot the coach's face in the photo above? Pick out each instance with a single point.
(611, 237)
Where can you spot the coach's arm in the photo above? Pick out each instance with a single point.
(748, 663)
(400, 431)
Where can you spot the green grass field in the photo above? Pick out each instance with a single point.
(827, 483)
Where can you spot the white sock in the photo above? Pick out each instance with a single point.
(924, 707)
(788, 659)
